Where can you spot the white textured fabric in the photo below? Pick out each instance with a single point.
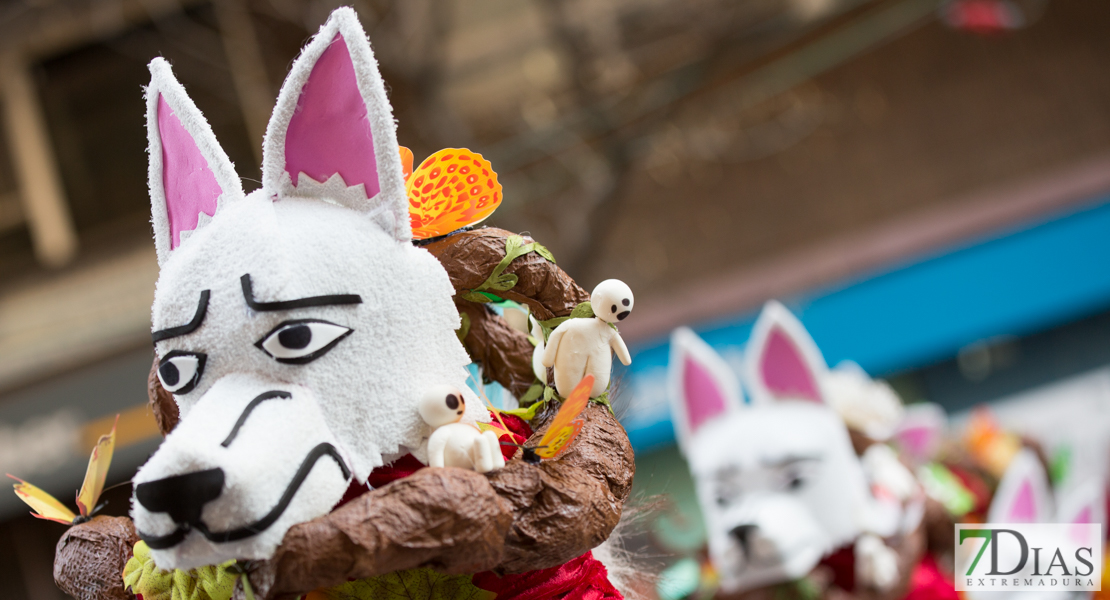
(360, 396)
(163, 83)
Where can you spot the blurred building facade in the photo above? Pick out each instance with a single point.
(931, 200)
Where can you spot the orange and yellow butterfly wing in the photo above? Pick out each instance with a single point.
(406, 162)
(45, 506)
(561, 439)
(451, 189)
(97, 472)
(566, 424)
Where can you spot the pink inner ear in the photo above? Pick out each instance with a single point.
(784, 371)
(704, 399)
(188, 182)
(330, 133)
(1024, 509)
(1077, 532)
(916, 440)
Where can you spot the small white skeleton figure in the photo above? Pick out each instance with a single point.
(455, 444)
(580, 347)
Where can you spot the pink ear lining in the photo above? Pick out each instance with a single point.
(329, 132)
(704, 399)
(188, 182)
(784, 370)
(917, 440)
(1024, 509)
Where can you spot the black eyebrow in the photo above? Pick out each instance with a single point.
(786, 461)
(264, 396)
(329, 300)
(191, 326)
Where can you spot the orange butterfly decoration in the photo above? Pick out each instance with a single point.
(565, 427)
(49, 508)
(451, 189)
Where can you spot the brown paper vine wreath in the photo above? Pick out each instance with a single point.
(520, 518)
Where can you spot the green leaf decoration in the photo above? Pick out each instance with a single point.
(544, 252)
(498, 279)
(504, 282)
(534, 392)
(529, 412)
(414, 584)
(141, 576)
(464, 327)
(583, 311)
(945, 487)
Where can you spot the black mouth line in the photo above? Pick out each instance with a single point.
(162, 542)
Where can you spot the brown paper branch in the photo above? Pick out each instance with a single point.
(161, 402)
(504, 353)
(517, 519)
(471, 256)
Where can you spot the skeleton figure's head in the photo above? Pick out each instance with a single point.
(297, 326)
(612, 300)
(777, 479)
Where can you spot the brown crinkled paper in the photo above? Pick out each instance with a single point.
(520, 518)
(89, 559)
(162, 403)
(470, 256)
(504, 353)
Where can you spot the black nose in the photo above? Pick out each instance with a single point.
(181, 496)
(743, 534)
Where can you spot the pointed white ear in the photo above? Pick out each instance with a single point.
(782, 362)
(701, 386)
(1023, 495)
(919, 434)
(1084, 503)
(190, 175)
(332, 134)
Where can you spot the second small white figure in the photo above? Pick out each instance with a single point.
(455, 444)
(580, 347)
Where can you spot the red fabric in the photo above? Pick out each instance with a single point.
(520, 429)
(583, 578)
(975, 485)
(929, 583)
(842, 563)
(398, 469)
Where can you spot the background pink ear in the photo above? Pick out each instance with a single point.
(782, 361)
(1082, 504)
(919, 434)
(190, 175)
(332, 134)
(702, 387)
(1023, 495)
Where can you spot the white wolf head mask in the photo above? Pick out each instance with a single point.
(778, 482)
(297, 327)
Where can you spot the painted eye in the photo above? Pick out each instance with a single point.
(179, 371)
(302, 341)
